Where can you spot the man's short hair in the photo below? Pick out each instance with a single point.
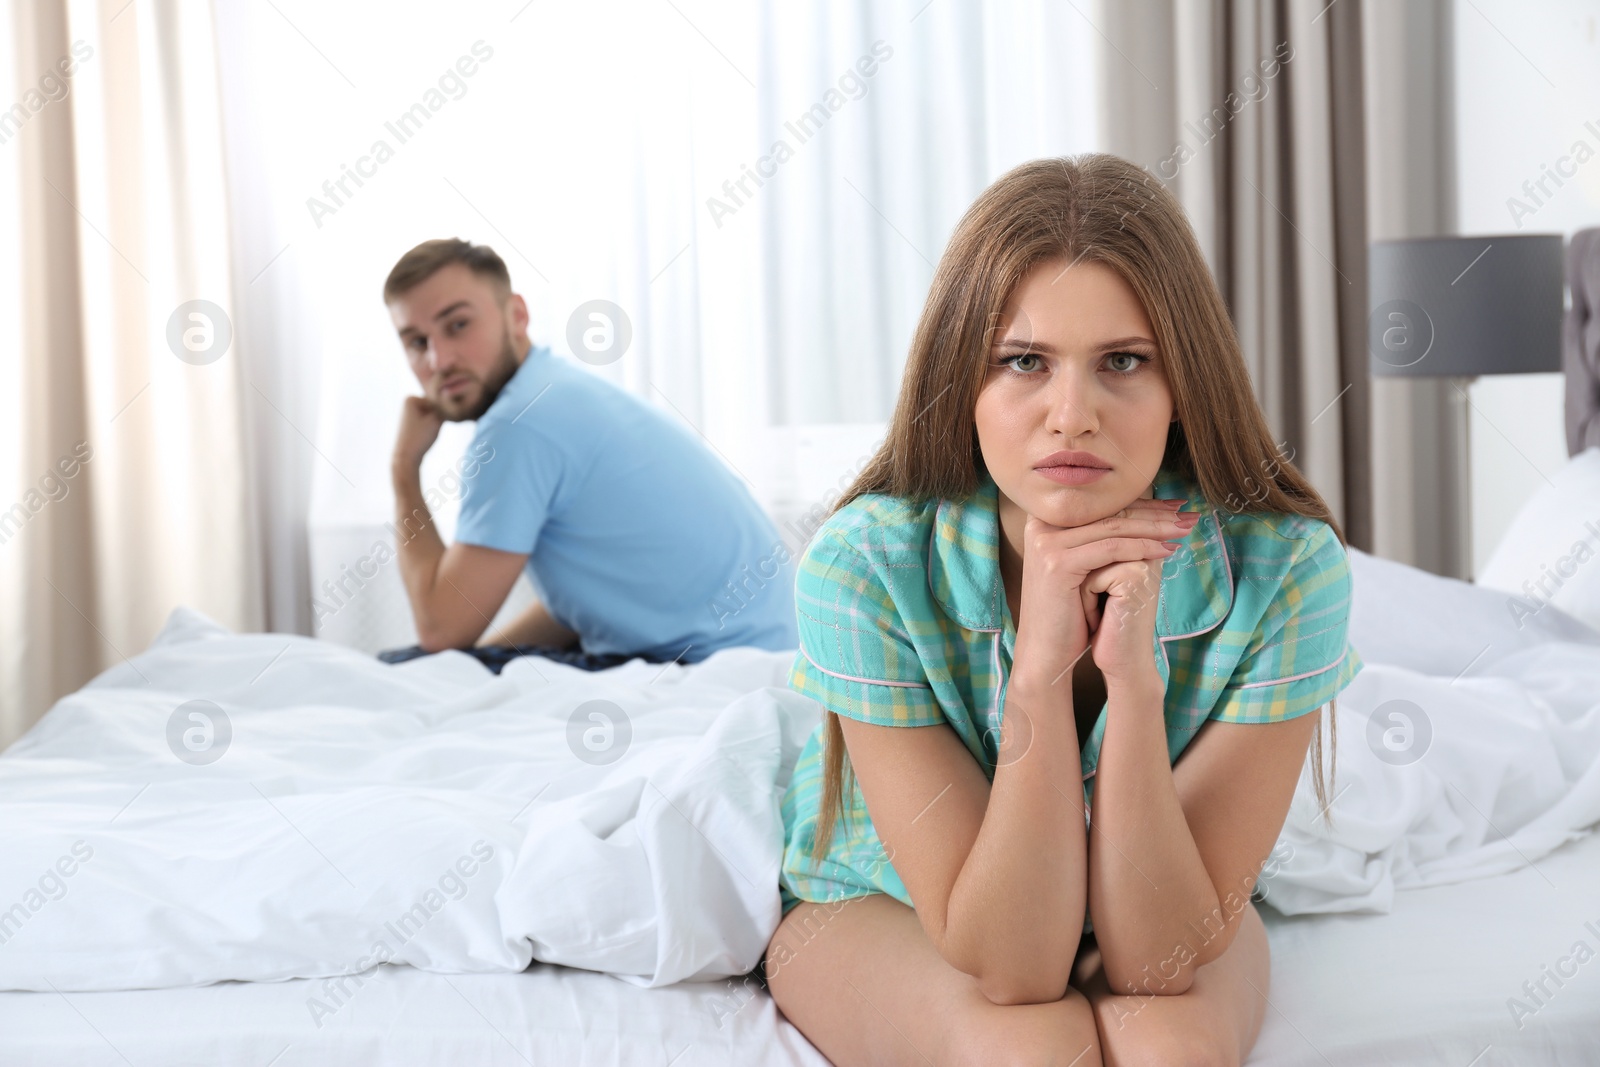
(427, 258)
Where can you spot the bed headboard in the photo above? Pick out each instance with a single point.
(1580, 342)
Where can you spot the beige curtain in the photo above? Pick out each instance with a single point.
(1421, 478)
(125, 493)
(1252, 112)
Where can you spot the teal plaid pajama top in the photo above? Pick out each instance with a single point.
(903, 621)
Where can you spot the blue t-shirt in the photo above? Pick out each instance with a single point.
(638, 537)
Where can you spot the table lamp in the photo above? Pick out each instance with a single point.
(1459, 307)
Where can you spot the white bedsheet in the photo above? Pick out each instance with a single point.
(1501, 765)
(548, 1016)
(430, 814)
(1450, 977)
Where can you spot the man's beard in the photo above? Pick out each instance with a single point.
(499, 375)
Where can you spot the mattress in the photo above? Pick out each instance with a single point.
(1439, 980)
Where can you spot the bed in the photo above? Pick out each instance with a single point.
(1449, 920)
(206, 844)
(1426, 984)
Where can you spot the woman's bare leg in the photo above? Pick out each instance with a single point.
(863, 982)
(1215, 1021)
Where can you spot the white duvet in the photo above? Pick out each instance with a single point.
(351, 813)
(1468, 746)
(430, 814)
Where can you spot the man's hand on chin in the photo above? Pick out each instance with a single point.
(419, 429)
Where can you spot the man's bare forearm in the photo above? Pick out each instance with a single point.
(418, 548)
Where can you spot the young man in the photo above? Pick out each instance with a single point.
(638, 540)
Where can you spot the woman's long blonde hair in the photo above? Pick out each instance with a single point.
(1091, 208)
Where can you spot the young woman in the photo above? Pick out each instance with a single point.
(1025, 611)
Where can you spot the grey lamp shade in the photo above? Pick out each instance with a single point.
(1463, 306)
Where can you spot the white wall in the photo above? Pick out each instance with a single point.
(1527, 90)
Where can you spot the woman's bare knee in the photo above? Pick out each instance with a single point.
(1214, 1023)
(1061, 1032)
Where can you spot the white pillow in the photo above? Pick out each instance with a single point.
(1404, 616)
(1555, 540)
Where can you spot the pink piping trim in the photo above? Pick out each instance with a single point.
(866, 681)
(1296, 678)
(1227, 569)
(998, 637)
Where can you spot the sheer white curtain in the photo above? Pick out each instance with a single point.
(610, 151)
(859, 215)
